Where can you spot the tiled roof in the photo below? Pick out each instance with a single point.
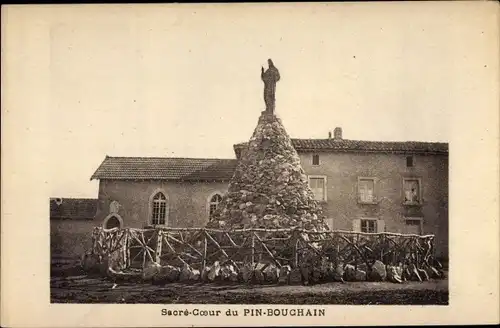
(73, 208)
(201, 169)
(346, 145)
(165, 168)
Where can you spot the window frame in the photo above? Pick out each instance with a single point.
(368, 219)
(209, 200)
(358, 194)
(419, 192)
(325, 181)
(151, 205)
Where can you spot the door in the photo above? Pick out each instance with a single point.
(112, 222)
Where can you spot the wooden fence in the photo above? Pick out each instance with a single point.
(200, 247)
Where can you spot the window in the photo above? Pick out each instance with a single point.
(409, 161)
(413, 226)
(159, 212)
(412, 191)
(213, 203)
(366, 190)
(370, 225)
(315, 159)
(318, 187)
(412, 222)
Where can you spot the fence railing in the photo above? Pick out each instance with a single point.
(201, 247)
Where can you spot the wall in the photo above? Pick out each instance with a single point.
(69, 239)
(343, 169)
(188, 201)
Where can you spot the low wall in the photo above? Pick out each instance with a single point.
(69, 239)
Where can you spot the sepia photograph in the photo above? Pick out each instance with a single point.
(296, 205)
(279, 157)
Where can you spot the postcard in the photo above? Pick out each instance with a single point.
(250, 164)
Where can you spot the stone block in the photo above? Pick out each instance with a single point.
(378, 271)
(295, 276)
(150, 271)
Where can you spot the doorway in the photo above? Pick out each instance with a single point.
(112, 221)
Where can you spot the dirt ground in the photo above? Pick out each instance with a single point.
(76, 287)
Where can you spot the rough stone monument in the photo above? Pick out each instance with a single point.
(269, 188)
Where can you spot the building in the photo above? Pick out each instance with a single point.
(71, 222)
(367, 186)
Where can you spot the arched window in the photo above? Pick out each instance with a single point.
(159, 209)
(213, 203)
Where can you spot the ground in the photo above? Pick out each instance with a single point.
(76, 287)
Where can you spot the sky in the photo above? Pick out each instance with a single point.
(185, 81)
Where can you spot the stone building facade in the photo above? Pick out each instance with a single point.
(365, 186)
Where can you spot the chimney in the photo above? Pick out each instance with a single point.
(337, 133)
(329, 134)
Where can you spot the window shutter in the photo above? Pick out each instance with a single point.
(356, 225)
(167, 212)
(380, 226)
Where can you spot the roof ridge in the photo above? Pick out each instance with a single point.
(171, 168)
(75, 198)
(360, 140)
(168, 157)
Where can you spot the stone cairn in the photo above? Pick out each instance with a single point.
(269, 188)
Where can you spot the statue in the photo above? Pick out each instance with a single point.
(270, 77)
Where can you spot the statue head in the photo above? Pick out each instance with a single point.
(270, 63)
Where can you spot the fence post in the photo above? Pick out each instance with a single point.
(159, 240)
(433, 250)
(355, 240)
(127, 244)
(336, 249)
(93, 249)
(204, 256)
(144, 250)
(295, 249)
(124, 247)
(395, 256)
(417, 253)
(382, 248)
(253, 248)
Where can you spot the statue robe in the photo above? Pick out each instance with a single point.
(270, 77)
